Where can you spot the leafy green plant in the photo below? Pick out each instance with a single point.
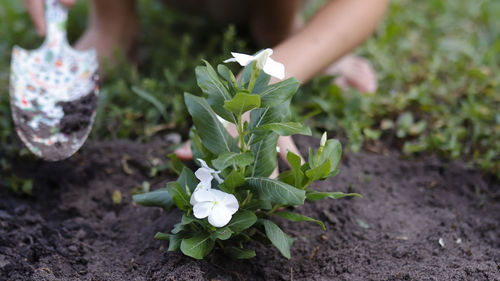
(230, 199)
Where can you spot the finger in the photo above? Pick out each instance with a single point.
(36, 10)
(286, 144)
(184, 152)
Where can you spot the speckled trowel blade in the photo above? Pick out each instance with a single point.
(53, 91)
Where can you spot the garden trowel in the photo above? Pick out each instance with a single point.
(53, 91)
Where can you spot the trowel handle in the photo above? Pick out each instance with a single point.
(56, 16)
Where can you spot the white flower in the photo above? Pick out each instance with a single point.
(206, 174)
(264, 62)
(323, 139)
(202, 186)
(217, 205)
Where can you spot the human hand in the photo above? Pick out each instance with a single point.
(36, 10)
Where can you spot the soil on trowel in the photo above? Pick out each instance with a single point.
(423, 219)
(78, 114)
(75, 125)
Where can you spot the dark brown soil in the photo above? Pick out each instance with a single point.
(71, 230)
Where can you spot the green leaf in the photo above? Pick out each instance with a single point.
(151, 99)
(198, 246)
(222, 233)
(162, 236)
(242, 220)
(278, 93)
(295, 162)
(258, 204)
(213, 134)
(233, 180)
(187, 178)
(178, 227)
(316, 195)
(242, 103)
(174, 243)
(298, 218)
(239, 253)
(275, 114)
(279, 239)
(265, 156)
(226, 73)
(158, 198)
(283, 129)
(319, 172)
(333, 151)
(227, 159)
(261, 82)
(185, 220)
(277, 191)
(175, 164)
(179, 196)
(216, 91)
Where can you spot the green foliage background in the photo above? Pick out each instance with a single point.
(437, 63)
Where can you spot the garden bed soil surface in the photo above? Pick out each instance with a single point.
(418, 220)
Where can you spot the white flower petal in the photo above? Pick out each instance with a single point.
(263, 57)
(218, 178)
(231, 203)
(242, 59)
(225, 199)
(220, 216)
(204, 175)
(203, 163)
(230, 60)
(274, 68)
(203, 209)
(203, 196)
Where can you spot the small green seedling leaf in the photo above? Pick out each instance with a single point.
(117, 197)
(242, 102)
(151, 99)
(298, 218)
(198, 246)
(279, 238)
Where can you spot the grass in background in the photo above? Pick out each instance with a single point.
(437, 61)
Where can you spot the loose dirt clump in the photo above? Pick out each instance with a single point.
(417, 220)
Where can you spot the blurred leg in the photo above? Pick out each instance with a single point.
(112, 25)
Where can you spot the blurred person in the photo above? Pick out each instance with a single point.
(320, 45)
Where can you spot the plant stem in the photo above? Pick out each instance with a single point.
(274, 209)
(253, 78)
(241, 134)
